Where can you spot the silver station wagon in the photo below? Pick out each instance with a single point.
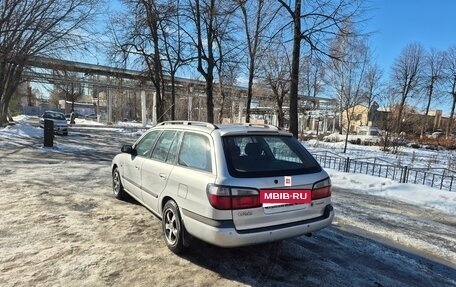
(229, 185)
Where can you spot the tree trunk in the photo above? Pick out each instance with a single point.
(450, 120)
(426, 118)
(250, 88)
(222, 105)
(173, 96)
(210, 97)
(3, 112)
(10, 77)
(280, 115)
(399, 114)
(348, 131)
(293, 113)
(158, 88)
(72, 97)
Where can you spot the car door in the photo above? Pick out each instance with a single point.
(156, 170)
(193, 171)
(132, 165)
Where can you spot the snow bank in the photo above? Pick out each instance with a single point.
(21, 131)
(416, 194)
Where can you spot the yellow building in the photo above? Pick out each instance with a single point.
(359, 116)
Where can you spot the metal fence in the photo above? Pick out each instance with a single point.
(441, 178)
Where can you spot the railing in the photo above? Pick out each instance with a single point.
(441, 178)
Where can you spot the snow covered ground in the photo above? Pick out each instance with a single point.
(68, 229)
(415, 194)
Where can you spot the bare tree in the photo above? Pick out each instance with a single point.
(174, 49)
(227, 75)
(348, 65)
(389, 105)
(314, 25)
(257, 16)
(275, 72)
(202, 14)
(406, 76)
(373, 85)
(432, 75)
(312, 75)
(450, 79)
(67, 89)
(31, 28)
(227, 64)
(141, 39)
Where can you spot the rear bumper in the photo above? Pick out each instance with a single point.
(224, 234)
(58, 129)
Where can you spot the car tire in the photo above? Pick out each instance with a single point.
(117, 187)
(172, 227)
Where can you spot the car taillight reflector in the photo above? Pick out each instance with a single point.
(321, 189)
(321, 192)
(241, 202)
(222, 197)
(220, 202)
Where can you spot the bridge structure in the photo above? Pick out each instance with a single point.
(57, 71)
(111, 79)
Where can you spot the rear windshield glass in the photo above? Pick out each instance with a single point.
(265, 155)
(54, 116)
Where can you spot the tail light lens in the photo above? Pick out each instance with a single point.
(321, 189)
(219, 196)
(226, 198)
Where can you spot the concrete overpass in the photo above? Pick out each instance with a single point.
(51, 70)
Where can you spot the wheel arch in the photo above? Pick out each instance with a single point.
(114, 166)
(164, 200)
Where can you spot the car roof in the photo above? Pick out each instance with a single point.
(224, 129)
(52, 112)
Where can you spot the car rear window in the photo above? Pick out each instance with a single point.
(266, 155)
(54, 116)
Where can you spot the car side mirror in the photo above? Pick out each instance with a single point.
(128, 149)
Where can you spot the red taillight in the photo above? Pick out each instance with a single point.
(321, 189)
(223, 197)
(240, 202)
(321, 192)
(220, 202)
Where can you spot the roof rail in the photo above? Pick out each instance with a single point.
(262, 125)
(189, 123)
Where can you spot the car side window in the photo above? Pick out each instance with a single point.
(172, 155)
(163, 146)
(144, 146)
(196, 152)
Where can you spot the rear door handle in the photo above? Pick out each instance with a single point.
(162, 176)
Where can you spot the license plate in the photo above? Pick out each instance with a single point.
(281, 207)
